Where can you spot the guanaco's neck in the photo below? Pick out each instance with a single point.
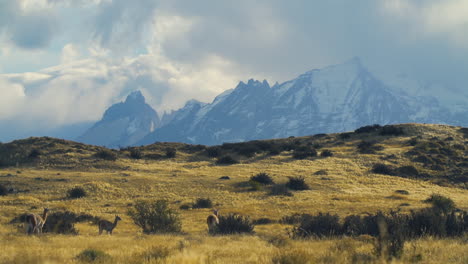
(44, 215)
(115, 222)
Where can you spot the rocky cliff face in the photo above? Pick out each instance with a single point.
(123, 124)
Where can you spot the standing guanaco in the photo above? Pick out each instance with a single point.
(36, 222)
(107, 225)
(213, 221)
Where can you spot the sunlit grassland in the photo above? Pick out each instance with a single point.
(348, 188)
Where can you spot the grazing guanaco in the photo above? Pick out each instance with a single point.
(107, 225)
(213, 221)
(36, 222)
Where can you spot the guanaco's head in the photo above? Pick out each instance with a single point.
(215, 212)
(46, 210)
(117, 218)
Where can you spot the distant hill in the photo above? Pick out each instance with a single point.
(438, 153)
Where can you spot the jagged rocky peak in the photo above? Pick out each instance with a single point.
(135, 97)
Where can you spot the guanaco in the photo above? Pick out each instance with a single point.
(107, 225)
(35, 222)
(213, 221)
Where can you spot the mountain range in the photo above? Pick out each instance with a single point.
(337, 98)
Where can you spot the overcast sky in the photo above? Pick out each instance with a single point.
(66, 61)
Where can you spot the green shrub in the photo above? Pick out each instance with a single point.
(34, 154)
(93, 255)
(262, 221)
(297, 184)
(321, 225)
(368, 147)
(262, 178)
(155, 217)
(408, 171)
(226, 160)
(203, 203)
(441, 203)
(106, 154)
(213, 152)
(76, 192)
(234, 224)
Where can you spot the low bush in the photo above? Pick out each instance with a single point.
(262, 178)
(407, 171)
(368, 147)
(381, 168)
(213, 152)
(404, 192)
(34, 154)
(203, 203)
(297, 184)
(326, 153)
(226, 160)
(76, 192)
(321, 225)
(345, 135)
(93, 255)
(106, 154)
(3, 190)
(135, 153)
(185, 206)
(171, 153)
(155, 217)
(304, 153)
(280, 189)
(262, 221)
(441, 203)
(294, 219)
(234, 224)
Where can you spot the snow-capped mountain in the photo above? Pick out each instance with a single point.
(334, 99)
(123, 124)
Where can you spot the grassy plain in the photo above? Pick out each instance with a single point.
(348, 187)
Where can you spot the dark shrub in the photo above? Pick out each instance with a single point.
(404, 192)
(353, 225)
(368, 147)
(93, 255)
(367, 129)
(297, 184)
(76, 192)
(294, 219)
(171, 153)
(185, 207)
(390, 130)
(413, 141)
(224, 178)
(248, 150)
(154, 156)
(106, 154)
(345, 135)
(274, 150)
(203, 203)
(326, 153)
(234, 224)
(321, 225)
(408, 171)
(280, 189)
(226, 160)
(441, 203)
(135, 153)
(321, 172)
(34, 154)
(262, 178)
(155, 217)
(304, 153)
(3, 190)
(380, 168)
(213, 152)
(262, 221)
(64, 222)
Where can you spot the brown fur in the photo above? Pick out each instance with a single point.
(212, 221)
(107, 225)
(36, 222)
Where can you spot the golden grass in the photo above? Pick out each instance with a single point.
(348, 188)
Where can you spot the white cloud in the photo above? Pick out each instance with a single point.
(69, 53)
(12, 98)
